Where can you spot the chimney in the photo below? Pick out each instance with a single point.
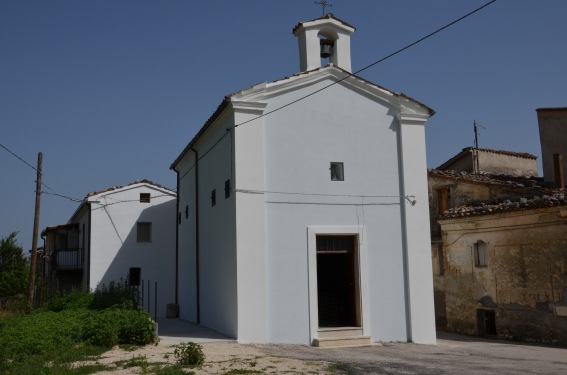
(558, 170)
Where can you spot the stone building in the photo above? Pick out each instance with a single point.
(499, 254)
(505, 268)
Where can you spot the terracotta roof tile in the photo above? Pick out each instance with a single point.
(492, 207)
(327, 16)
(111, 188)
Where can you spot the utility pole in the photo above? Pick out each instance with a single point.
(33, 264)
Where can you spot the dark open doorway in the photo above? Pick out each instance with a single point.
(486, 320)
(337, 285)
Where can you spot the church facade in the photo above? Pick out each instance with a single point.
(308, 223)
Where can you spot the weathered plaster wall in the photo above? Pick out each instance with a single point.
(494, 162)
(525, 278)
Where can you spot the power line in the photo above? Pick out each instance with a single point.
(342, 79)
(371, 65)
(42, 183)
(62, 196)
(22, 160)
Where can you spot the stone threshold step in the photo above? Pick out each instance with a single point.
(333, 342)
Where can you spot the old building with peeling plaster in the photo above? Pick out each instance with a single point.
(499, 249)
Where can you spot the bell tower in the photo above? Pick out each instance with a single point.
(322, 38)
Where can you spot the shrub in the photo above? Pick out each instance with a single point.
(115, 293)
(115, 326)
(189, 354)
(74, 299)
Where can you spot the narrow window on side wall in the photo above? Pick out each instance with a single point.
(480, 254)
(337, 171)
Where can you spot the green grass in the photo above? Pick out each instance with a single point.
(71, 330)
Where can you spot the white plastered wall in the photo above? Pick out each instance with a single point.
(114, 248)
(340, 126)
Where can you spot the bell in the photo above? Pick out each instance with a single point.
(326, 48)
(326, 51)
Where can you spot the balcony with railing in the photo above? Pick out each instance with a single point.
(68, 259)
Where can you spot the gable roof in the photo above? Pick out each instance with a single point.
(112, 188)
(263, 90)
(484, 178)
(530, 193)
(495, 206)
(328, 16)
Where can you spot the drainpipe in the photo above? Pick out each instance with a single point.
(90, 243)
(197, 271)
(177, 222)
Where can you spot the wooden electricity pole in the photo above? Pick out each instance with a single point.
(33, 264)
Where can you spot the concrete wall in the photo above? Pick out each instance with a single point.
(553, 137)
(114, 248)
(525, 279)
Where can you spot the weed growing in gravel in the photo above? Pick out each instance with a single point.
(189, 354)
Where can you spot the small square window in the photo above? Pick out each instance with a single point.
(214, 197)
(337, 171)
(145, 197)
(227, 189)
(144, 232)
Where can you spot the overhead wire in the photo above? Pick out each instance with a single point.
(347, 76)
(42, 183)
(370, 65)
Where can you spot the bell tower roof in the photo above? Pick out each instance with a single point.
(324, 31)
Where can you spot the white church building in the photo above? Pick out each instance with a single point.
(308, 224)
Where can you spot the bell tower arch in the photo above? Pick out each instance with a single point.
(325, 37)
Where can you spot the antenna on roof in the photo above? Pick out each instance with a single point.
(323, 4)
(476, 165)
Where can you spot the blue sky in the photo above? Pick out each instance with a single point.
(111, 91)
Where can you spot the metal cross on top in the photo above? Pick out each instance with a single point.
(323, 4)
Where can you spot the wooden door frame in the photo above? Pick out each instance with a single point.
(361, 267)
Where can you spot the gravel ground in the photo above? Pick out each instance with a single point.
(221, 357)
(453, 354)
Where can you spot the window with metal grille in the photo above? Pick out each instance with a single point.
(337, 171)
(145, 197)
(480, 254)
(144, 232)
(335, 244)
